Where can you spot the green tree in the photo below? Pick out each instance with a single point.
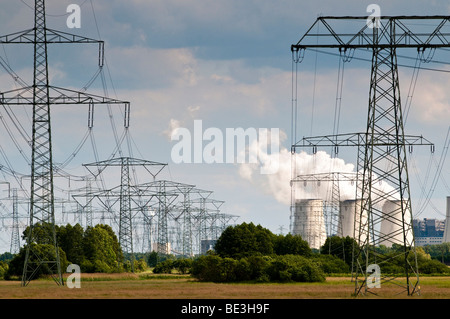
(42, 233)
(102, 252)
(45, 251)
(296, 268)
(245, 240)
(291, 245)
(70, 239)
(152, 259)
(341, 247)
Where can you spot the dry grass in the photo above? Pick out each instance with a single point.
(132, 286)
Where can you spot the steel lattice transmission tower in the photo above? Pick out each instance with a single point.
(125, 193)
(42, 210)
(382, 148)
(15, 236)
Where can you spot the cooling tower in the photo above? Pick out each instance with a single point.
(446, 238)
(309, 222)
(391, 229)
(346, 227)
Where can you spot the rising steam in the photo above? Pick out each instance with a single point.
(278, 184)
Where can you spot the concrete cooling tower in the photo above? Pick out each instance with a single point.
(446, 238)
(391, 229)
(309, 222)
(346, 227)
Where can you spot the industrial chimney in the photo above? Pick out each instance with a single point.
(309, 222)
(446, 238)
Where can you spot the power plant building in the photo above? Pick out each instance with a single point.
(348, 210)
(446, 237)
(309, 222)
(391, 230)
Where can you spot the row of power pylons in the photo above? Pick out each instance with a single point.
(157, 206)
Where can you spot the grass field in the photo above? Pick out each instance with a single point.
(150, 286)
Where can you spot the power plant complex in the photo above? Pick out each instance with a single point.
(310, 215)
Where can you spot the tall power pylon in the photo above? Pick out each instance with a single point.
(125, 193)
(382, 148)
(15, 236)
(43, 95)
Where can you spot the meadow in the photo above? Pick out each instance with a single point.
(152, 286)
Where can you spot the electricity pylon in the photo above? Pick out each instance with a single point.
(125, 193)
(382, 148)
(43, 95)
(15, 236)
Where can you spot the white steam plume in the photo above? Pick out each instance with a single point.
(278, 184)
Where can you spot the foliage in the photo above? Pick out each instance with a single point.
(291, 245)
(433, 266)
(152, 259)
(164, 267)
(101, 249)
(70, 239)
(214, 268)
(332, 264)
(283, 268)
(6, 256)
(295, 268)
(182, 265)
(245, 240)
(439, 252)
(4, 267)
(341, 247)
(45, 251)
(95, 250)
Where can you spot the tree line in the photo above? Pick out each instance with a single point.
(244, 252)
(94, 249)
(252, 253)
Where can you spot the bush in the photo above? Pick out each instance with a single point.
(284, 268)
(291, 245)
(3, 269)
(433, 267)
(295, 268)
(207, 268)
(45, 251)
(183, 265)
(164, 267)
(245, 240)
(258, 267)
(332, 264)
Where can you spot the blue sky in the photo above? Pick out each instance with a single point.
(228, 63)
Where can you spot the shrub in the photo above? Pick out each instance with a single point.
(183, 265)
(3, 269)
(433, 267)
(332, 264)
(280, 268)
(45, 251)
(295, 268)
(164, 267)
(206, 268)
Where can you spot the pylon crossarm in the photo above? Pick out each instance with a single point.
(334, 33)
(57, 95)
(361, 139)
(53, 36)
